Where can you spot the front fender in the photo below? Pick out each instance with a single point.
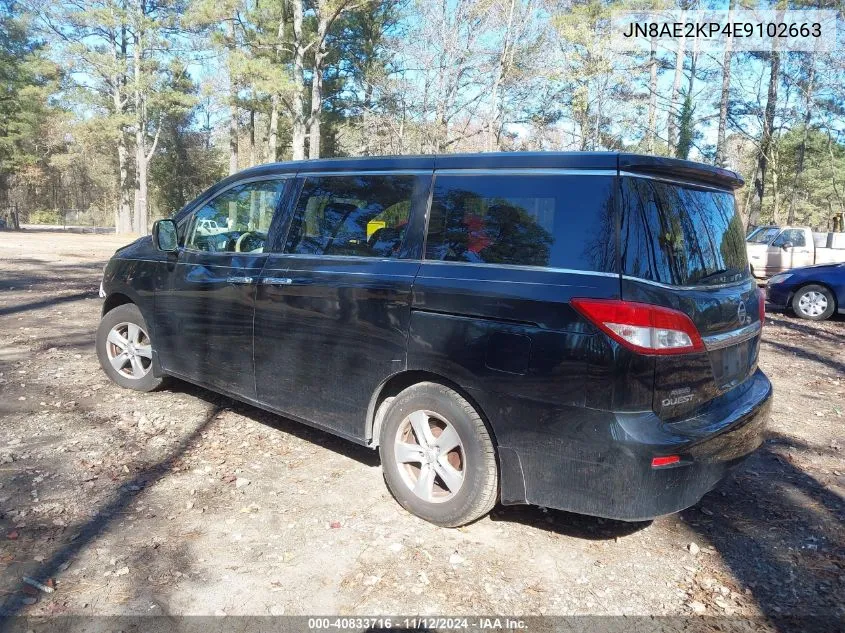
(136, 280)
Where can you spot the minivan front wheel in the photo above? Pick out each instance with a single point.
(813, 302)
(124, 348)
(437, 456)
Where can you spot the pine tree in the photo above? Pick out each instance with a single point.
(27, 78)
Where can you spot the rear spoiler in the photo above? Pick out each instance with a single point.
(681, 169)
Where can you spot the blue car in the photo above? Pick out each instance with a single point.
(813, 292)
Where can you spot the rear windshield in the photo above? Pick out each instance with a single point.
(556, 221)
(680, 235)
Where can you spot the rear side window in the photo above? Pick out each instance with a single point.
(525, 220)
(680, 235)
(364, 216)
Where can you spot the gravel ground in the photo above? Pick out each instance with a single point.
(186, 502)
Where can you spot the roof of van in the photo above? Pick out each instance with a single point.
(588, 161)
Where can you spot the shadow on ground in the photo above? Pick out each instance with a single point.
(85, 533)
(565, 523)
(361, 454)
(780, 530)
(568, 524)
(807, 354)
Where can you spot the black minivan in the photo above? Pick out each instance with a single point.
(572, 330)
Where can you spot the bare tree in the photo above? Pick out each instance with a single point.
(519, 15)
(298, 98)
(808, 88)
(764, 151)
(95, 40)
(651, 130)
(724, 99)
(233, 97)
(672, 121)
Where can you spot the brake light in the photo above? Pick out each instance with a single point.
(761, 300)
(668, 460)
(642, 327)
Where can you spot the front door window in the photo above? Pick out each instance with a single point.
(238, 220)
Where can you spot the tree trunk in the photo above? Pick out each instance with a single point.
(317, 88)
(233, 104)
(124, 211)
(316, 106)
(141, 191)
(273, 136)
(686, 127)
(721, 157)
(672, 123)
(140, 129)
(802, 148)
(651, 131)
(492, 134)
(766, 138)
(366, 144)
(123, 221)
(251, 137)
(298, 116)
(775, 195)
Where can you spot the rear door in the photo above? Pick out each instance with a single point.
(333, 306)
(506, 251)
(683, 247)
(204, 313)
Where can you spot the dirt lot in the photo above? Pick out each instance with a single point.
(186, 502)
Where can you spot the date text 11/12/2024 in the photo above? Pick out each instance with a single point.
(493, 623)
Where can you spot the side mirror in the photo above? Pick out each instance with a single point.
(787, 245)
(165, 236)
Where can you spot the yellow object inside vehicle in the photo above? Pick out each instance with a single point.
(373, 226)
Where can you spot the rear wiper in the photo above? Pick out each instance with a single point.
(718, 273)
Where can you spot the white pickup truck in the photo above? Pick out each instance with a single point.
(774, 249)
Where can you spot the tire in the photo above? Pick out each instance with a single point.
(813, 302)
(470, 467)
(136, 370)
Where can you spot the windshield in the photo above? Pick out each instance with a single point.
(763, 235)
(681, 234)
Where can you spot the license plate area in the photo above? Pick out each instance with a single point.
(731, 365)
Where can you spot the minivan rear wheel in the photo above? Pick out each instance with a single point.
(813, 302)
(437, 456)
(124, 348)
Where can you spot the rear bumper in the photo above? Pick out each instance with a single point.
(603, 467)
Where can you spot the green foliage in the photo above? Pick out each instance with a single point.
(45, 216)
(398, 76)
(187, 163)
(27, 79)
(686, 133)
(819, 192)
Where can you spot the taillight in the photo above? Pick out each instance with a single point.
(761, 300)
(668, 460)
(642, 327)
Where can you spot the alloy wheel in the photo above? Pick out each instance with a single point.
(430, 456)
(129, 350)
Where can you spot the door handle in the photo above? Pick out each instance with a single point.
(277, 281)
(240, 280)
